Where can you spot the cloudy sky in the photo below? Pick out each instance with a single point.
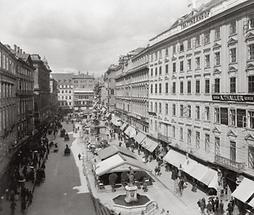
(85, 35)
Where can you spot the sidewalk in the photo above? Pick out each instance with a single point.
(161, 191)
(189, 198)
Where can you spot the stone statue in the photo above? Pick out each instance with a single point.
(131, 177)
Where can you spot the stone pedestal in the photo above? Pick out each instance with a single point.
(131, 194)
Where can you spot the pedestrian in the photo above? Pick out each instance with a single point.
(209, 207)
(79, 156)
(221, 208)
(230, 208)
(180, 186)
(216, 204)
(13, 207)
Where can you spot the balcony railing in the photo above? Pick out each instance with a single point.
(163, 137)
(233, 165)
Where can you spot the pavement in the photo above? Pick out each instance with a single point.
(60, 193)
(162, 190)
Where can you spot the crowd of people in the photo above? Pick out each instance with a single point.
(27, 169)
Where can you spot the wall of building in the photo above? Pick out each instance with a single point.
(8, 102)
(218, 50)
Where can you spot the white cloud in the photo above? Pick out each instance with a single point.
(85, 35)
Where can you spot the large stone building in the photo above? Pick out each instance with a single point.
(8, 104)
(83, 91)
(201, 85)
(75, 91)
(65, 90)
(132, 90)
(110, 86)
(41, 90)
(201, 91)
(53, 95)
(24, 93)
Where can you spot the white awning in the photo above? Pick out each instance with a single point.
(199, 171)
(140, 137)
(175, 158)
(149, 144)
(130, 131)
(244, 191)
(123, 126)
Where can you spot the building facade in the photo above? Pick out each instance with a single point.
(83, 91)
(8, 104)
(53, 95)
(201, 86)
(110, 86)
(41, 90)
(132, 90)
(24, 94)
(65, 90)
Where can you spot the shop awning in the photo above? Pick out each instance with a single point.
(140, 137)
(149, 144)
(114, 149)
(119, 163)
(210, 178)
(123, 126)
(244, 191)
(199, 171)
(175, 158)
(130, 131)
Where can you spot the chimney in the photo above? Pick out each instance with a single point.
(17, 49)
(20, 51)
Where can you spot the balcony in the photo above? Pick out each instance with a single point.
(227, 163)
(163, 137)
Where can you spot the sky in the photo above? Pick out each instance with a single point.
(83, 35)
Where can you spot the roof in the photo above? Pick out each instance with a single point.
(114, 149)
(203, 7)
(61, 76)
(82, 76)
(117, 163)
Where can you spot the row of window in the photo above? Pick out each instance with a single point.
(65, 103)
(64, 97)
(234, 117)
(216, 87)
(196, 42)
(6, 63)
(65, 86)
(7, 117)
(65, 91)
(184, 111)
(207, 62)
(6, 90)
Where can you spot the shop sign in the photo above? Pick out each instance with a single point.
(195, 19)
(235, 98)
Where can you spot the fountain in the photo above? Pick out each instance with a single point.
(132, 202)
